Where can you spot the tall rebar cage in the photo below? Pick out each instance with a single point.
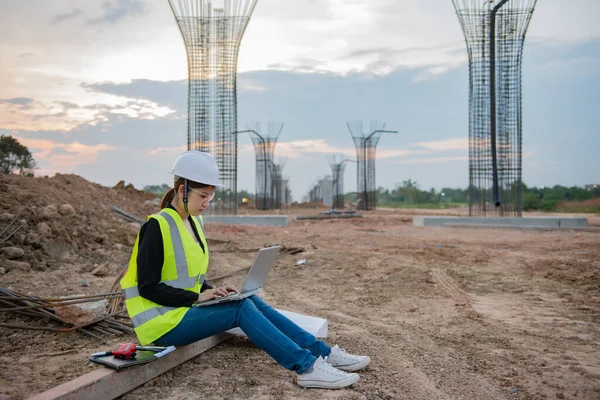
(287, 195)
(212, 31)
(277, 183)
(495, 34)
(264, 150)
(314, 194)
(326, 190)
(338, 166)
(366, 145)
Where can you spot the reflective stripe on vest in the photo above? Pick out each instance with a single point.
(182, 281)
(147, 315)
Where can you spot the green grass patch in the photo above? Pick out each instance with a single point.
(432, 206)
(579, 209)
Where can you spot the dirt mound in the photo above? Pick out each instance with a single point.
(65, 223)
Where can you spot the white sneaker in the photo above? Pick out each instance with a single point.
(325, 376)
(346, 361)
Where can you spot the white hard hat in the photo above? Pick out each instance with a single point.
(197, 166)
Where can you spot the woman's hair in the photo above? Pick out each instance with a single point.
(170, 195)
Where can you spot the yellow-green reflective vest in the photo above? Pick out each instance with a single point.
(184, 267)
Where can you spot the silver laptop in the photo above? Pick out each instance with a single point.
(255, 279)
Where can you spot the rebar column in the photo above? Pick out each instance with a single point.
(366, 145)
(212, 32)
(264, 149)
(287, 198)
(338, 166)
(314, 194)
(495, 34)
(326, 190)
(277, 188)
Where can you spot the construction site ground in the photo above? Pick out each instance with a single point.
(444, 313)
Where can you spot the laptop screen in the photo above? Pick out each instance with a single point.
(260, 268)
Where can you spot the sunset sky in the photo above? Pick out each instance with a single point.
(99, 89)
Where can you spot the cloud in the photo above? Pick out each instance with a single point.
(433, 60)
(57, 19)
(304, 148)
(172, 94)
(307, 149)
(446, 144)
(245, 85)
(294, 65)
(432, 160)
(21, 102)
(167, 151)
(360, 53)
(62, 157)
(300, 65)
(119, 9)
(383, 154)
(30, 114)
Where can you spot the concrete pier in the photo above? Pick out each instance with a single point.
(264, 220)
(525, 222)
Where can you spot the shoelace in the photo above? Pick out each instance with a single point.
(342, 353)
(333, 371)
(329, 369)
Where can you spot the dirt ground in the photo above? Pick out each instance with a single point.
(444, 313)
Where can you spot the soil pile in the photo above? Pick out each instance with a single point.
(65, 223)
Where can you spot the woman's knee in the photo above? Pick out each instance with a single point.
(258, 302)
(245, 306)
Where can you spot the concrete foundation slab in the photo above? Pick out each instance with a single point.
(264, 220)
(525, 222)
(327, 216)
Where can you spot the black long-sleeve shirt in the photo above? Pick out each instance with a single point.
(149, 268)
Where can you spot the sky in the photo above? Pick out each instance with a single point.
(99, 89)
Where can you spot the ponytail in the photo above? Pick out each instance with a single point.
(167, 198)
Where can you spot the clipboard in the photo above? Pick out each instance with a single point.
(142, 357)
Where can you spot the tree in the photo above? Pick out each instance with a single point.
(158, 190)
(410, 189)
(14, 157)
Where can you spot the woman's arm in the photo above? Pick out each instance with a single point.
(149, 264)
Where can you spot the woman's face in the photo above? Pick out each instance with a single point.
(198, 199)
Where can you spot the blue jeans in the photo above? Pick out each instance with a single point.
(291, 346)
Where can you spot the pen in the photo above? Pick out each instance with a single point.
(165, 351)
(102, 353)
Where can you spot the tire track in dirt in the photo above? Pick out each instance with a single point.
(450, 287)
(517, 309)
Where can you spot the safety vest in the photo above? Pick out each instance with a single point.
(184, 267)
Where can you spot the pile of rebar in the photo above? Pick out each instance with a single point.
(113, 323)
(127, 216)
(14, 226)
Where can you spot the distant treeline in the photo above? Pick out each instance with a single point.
(534, 198)
(160, 190)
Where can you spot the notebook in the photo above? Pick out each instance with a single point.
(142, 357)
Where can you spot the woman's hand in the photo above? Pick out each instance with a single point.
(215, 293)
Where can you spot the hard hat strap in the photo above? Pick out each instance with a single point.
(185, 195)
